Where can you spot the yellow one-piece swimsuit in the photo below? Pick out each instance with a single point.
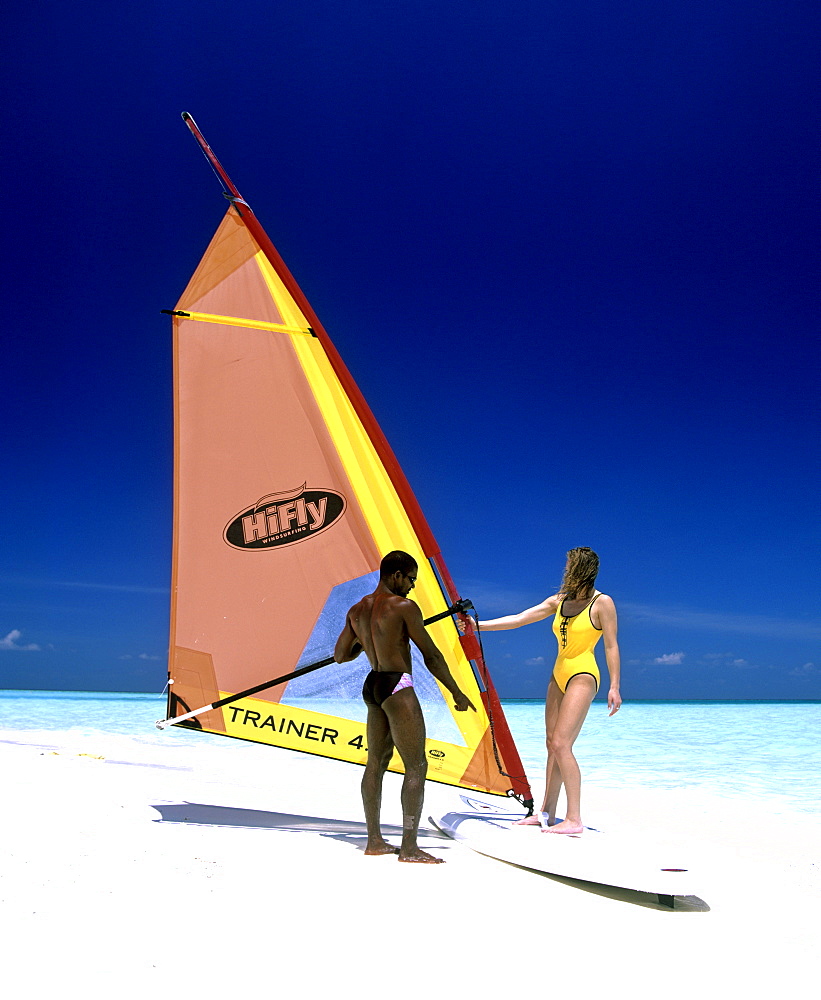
(576, 635)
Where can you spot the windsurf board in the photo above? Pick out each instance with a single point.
(607, 859)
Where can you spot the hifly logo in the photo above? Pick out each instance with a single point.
(285, 518)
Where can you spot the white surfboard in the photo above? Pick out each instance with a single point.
(626, 862)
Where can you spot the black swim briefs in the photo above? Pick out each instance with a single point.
(381, 684)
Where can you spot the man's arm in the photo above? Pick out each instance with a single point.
(348, 647)
(434, 660)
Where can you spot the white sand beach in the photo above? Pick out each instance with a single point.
(123, 877)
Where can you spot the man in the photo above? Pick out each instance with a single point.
(383, 624)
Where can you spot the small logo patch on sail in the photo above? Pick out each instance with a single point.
(285, 518)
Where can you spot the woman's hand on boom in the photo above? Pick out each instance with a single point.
(461, 623)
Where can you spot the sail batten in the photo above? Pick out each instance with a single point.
(287, 495)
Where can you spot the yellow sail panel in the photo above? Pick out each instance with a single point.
(283, 511)
(288, 309)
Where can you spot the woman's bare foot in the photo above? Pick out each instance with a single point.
(528, 821)
(566, 826)
(421, 857)
(383, 848)
(541, 819)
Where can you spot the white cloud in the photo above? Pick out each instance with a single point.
(147, 656)
(726, 660)
(669, 658)
(534, 661)
(805, 671)
(10, 642)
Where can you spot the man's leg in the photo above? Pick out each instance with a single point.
(380, 751)
(407, 726)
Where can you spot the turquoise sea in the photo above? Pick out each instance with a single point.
(741, 750)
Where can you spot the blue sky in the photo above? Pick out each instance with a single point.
(569, 252)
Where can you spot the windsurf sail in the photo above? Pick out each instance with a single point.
(286, 497)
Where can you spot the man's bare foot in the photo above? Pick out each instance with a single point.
(421, 857)
(566, 826)
(383, 848)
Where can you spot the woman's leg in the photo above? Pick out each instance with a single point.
(553, 774)
(563, 727)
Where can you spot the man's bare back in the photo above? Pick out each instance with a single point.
(378, 622)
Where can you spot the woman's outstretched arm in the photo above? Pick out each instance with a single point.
(526, 617)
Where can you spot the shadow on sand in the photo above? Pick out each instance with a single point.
(346, 831)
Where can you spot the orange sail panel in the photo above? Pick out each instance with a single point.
(283, 511)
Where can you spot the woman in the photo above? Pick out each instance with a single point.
(582, 616)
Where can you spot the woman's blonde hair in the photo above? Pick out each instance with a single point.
(580, 573)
